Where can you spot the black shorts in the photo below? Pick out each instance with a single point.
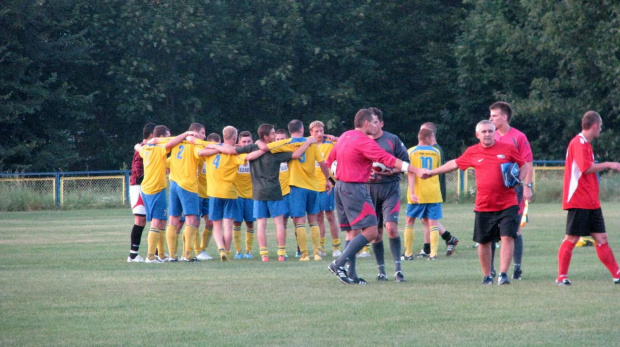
(582, 222)
(490, 226)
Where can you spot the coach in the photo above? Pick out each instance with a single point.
(496, 205)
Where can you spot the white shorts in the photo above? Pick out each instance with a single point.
(137, 206)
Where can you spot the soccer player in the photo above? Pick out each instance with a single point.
(203, 202)
(355, 153)
(451, 241)
(184, 194)
(245, 204)
(424, 196)
(153, 188)
(268, 201)
(384, 190)
(221, 174)
(496, 206)
(327, 202)
(137, 206)
(304, 195)
(581, 199)
(500, 116)
(282, 134)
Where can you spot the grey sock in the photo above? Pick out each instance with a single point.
(350, 250)
(493, 245)
(379, 251)
(395, 248)
(518, 253)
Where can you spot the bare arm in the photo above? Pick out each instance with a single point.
(411, 180)
(328, 183)
(525, 176)
(301, 150)
(254, 155)
(177, 139)
(598, 167)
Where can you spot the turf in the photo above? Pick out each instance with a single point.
(64, 281)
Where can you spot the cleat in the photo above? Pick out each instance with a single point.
(306, 258)
(322, 252)
(487, 280)
(516, 275)
(248, 255)
(406, 257)
(265, 258)
(563, 283)
(188, 260)
(238, 256)
(340, 272)
(282, 258)
(137, 259)
(317, 257)
(502, 279)
(493, 273)
(451, 244)
(336, 253)
(170, 260)
(382, 278)
(298, 254)
(617, 280)
(154, 260)
(162, 258)
(358, 280)
(204, 256)
(422, 255)
(432, 258)
(224, 257)
(363, 255)
(399, 277)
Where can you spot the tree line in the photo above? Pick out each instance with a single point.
(79, 79)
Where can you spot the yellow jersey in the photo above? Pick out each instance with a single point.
(284, 178)
(324, 147)
(244, 181)
(427, 191)
(302, 171)
(221, 175)
(154, 160)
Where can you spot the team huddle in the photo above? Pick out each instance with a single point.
(354, 181)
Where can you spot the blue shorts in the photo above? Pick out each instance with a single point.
(269, 209)
(303, 201)
(327, 201)
(286, 200)
(222, 208)
(182, 201)
(203, 206)
(155, 205)
(245, 210)
(430, 211)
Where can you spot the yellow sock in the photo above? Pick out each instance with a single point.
(409, 235)
(172, 237)
(161, 244)
(237, 238)
(302, 239)
(281, 250)
(197, 242)
(206, 237)
(249, 240)
(189, 234)
(434, 240)
(336, 244)
(153, 240)
(365, 250)
(315, 236)
(322, 244)
(224, 256)
(263, 251)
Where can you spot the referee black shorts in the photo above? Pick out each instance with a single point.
(490, 226)
(582, 222)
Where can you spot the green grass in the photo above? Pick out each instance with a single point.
(64, 281)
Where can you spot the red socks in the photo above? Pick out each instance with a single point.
(565, 253)
(606, 256)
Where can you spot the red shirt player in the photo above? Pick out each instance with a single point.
(580, 198)
(496, 206)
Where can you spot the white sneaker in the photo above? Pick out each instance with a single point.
(204, 256)
(336, 253)
(137, 259)
(156, 261)
(364, 255)
(322, 253)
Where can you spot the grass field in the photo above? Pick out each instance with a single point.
(64, 281)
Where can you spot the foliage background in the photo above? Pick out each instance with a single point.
(78, 79)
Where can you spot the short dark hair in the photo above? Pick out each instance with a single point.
(160, 131)
(282, 132)
(377, 112)
(214, 137)
(295, 126)
(264, 130)
(245, 133)
(504, 107)
(362, 116)
(148, 129)
(430, 126)
(589, 119)
(196, 127)
(425, 134)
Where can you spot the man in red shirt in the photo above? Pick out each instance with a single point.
(355, 152)
(496, 205)
(580, 198)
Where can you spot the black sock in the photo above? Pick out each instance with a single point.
(446, 236)
(395, 248)
(136, 236)
(427, 248)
